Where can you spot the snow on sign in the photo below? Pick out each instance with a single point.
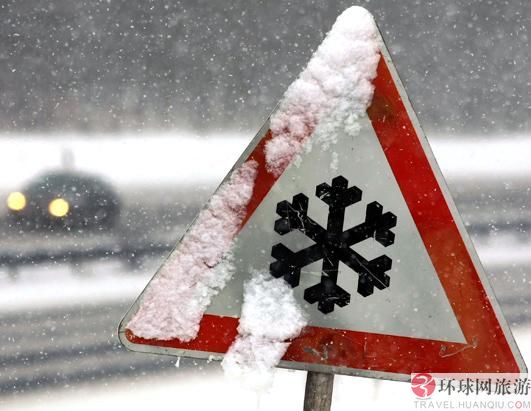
(333, 244)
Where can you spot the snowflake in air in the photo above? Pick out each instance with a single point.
(333, 244)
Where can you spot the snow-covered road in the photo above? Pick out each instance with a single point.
(112, 281)
(206, 389)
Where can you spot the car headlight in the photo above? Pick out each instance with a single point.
(16, 201)
(58, 207)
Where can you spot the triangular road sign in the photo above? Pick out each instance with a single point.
(366, 232)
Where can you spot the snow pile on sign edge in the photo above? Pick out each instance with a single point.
(270, 317)
(334, 89)
(176, 299)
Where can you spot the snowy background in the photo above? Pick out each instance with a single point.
(117, 64)
(159, 99)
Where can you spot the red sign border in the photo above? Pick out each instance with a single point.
(487, 348)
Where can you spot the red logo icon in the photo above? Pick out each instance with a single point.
(422, 385)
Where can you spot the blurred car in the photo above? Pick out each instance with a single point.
(64, 199)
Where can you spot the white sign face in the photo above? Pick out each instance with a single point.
(413, 305)
(364, 230)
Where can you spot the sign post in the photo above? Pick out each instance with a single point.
(318, 391)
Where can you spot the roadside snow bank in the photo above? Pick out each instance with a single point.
(333, 91)
(270, 318)
(174, 302)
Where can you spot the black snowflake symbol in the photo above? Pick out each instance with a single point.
(332, 244)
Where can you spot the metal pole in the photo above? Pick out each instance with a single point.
(318, 392)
